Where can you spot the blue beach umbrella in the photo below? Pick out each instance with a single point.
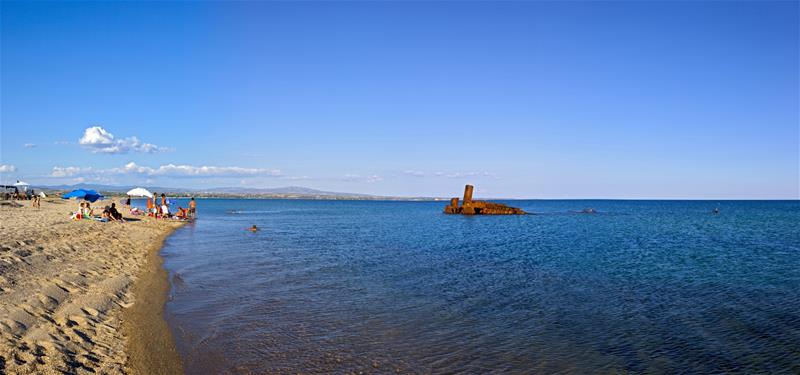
(87, 194)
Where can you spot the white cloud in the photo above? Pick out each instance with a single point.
(68, 171)
(99, 140)
(199, 171)
(5, 168)
(168, 170)
(29, 145)
(465, 174)
(414, 173)
(360, 178)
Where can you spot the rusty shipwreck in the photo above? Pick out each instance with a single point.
(471, 207)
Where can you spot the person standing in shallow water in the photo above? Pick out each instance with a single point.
(156, 207)
(164, 206)
(192, 208)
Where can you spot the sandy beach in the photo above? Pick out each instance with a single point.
(82, 296)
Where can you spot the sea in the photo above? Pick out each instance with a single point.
(380, 287)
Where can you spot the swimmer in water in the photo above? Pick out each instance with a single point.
(254, 228)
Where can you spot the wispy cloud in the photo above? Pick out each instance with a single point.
(457, 174)
(465, 174)
(6, 168)
(61, 142)
(98, 140)
(414, 173)
(296, 178)
(29, 145)
(168, 170)
(359, 178)
(68, 171)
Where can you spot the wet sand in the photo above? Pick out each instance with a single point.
(82, 296)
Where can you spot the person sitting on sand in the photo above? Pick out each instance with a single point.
(77, 215)
(182, 213)
(86, 210)
(113, 214)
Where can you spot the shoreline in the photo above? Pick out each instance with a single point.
(151, 346)
(82, 296)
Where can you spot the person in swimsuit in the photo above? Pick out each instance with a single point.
(156, 207)
(113, 214)
(164, 205)
(192, 207)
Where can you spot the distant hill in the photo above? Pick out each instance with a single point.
(107, 188)
(287, 191)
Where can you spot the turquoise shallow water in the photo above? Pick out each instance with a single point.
(343, 286)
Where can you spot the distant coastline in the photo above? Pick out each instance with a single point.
(300, 193)
(288, 192)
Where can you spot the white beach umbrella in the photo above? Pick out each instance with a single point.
(23, 185)
(140, 192)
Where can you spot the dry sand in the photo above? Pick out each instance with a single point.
(82, 296)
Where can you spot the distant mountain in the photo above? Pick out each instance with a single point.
(287, 190)
(107, 188)
(298, 191)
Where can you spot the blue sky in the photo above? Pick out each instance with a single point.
(522, 99)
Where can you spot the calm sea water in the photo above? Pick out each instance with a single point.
(379, 287)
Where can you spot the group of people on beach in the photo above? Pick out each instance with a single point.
(154, 209)
(36, 201)
(109, 213)
(157, 210)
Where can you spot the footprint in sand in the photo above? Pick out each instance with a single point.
(64, 285)
(90, 311)
(83, 336)
(40, 354)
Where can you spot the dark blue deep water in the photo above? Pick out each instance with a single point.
(385, 287)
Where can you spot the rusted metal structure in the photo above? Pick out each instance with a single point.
(471, 207)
